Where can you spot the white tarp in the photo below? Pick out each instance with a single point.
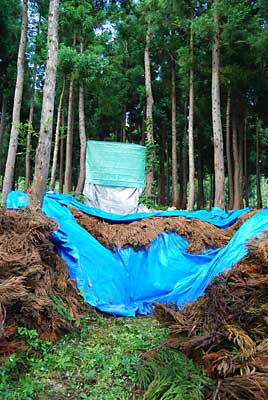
(113, 199)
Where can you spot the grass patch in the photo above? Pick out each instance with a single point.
(96, 363)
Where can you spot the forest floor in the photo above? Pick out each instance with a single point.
(98, 362)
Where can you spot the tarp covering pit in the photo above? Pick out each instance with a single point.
(125, 282)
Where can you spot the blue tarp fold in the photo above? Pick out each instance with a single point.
(125, 282)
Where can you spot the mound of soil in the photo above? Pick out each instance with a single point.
(226, 330)
(35, 291)
(138, 234)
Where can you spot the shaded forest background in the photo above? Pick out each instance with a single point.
(102, 54)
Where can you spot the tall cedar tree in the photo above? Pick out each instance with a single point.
(13, 141)
(44, 144)
(216, 113)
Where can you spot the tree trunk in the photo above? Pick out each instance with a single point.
(245, 169)
(190, 204)
(123, 124)
(62, 158)
(228, 152)
(82, 135)
(149, 116)
(258, 183)
(212, 189)
(29, 134)
(162, 166)
(216, 117)
(241, 161)
(69, 137)
(175, 192)
(237, 187)
(167, 173)
(184, 167)
(44, 144)
(13, 141)
(57, 139)
(143, 127)
(200, 199)
(2, 128)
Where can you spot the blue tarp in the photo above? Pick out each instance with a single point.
(125, 282)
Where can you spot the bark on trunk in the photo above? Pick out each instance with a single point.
(200, 199)
(82, 136)
(29, 134)
(258, 183)
(190, 204)
(212, 189)
(143, 127)
(228, 152)
(69, 137)
(184, 168)
(149, 115)
(237, 186)
(13, 141)
(123, 124)
(44, 145)
(175, 192)
(57, 140)
(216, 117)
(245, 162)
(2, 128)
(168, 173)
(241, 162)
(162, 179)
(62, 158)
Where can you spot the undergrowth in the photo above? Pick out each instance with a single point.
(96, 363)
(169, 375)
(101, 362)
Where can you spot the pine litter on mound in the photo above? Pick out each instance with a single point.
(35, 291)
(226, 330)
(139, 234)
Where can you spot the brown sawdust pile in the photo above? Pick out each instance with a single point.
(139, 234)
(35, 291)
(226, 330)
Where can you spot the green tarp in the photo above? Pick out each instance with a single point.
(115, 164)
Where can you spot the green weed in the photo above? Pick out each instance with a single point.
(96, 363)
(169, 375)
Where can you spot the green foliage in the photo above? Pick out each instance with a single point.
(96, 363)
(152, 162)
(111, 69)
(79, 197)
(21, 363)
(66, 59)
(169, 375)
(150, 203)
(24, 129)
(60, 307)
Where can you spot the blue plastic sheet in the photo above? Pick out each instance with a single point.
(125, 282)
